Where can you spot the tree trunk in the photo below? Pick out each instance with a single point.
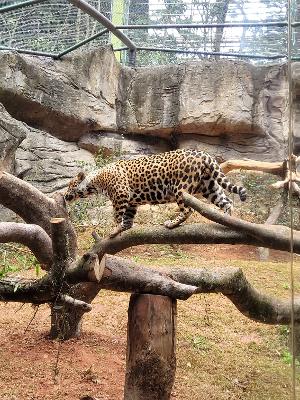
(222, 9)
(66, 320)
(151, 341)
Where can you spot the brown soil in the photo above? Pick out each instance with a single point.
(32, 367)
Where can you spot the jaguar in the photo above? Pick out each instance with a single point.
(156, 179)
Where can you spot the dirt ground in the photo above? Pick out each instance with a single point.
(220, 353)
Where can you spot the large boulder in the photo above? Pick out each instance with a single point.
(221, 104)
(67, 97)
(206, 97)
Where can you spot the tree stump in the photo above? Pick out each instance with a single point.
(151, 345)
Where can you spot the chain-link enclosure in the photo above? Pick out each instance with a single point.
(158, 31)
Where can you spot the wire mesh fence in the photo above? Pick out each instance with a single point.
(163, 31)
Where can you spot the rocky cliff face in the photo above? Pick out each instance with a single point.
(56, 114)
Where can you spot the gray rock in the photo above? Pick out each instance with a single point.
(123, 146)
(150, 100)
(212, 98)
(68, 97)
(12, 132)
(49, 163)
(227, 147)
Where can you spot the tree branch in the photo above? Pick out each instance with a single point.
(32, 236)
(233, 284)
(33, 206)
(272, 236)
(276, 168)
(123, 275)
(272, 219)
(184, 234)
(85, 307)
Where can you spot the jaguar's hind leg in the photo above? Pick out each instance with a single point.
(185, 212)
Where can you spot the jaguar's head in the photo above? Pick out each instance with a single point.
(75, 189)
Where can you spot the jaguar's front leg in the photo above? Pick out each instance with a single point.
(128, 217)
(119, 211)
(185, 212)
(124, 217)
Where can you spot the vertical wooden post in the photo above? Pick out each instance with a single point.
(151, 348)
(294, 343)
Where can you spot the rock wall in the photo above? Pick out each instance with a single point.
(56, 114)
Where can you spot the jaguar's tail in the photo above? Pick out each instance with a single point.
(223, 181)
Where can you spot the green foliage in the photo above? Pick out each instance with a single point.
(287, 358)
(200, 343)
(262, 198)
(284, 331)
(102, 158)
(15, 260)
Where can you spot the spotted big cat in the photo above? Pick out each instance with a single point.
(156, 179)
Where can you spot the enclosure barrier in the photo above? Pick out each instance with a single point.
(134, 45)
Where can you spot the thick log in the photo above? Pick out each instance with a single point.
(126, 276)
(61, 256)
(232, 283)
(204, 233)
(176, 283)
(66, 311)
(62, 313)
(151, 353)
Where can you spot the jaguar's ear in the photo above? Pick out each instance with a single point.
(81, 176)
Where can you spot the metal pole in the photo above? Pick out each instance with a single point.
(199, 26)
(83, 42)
(207, 53)
(85, 7)
(30, 52)
(132, 57)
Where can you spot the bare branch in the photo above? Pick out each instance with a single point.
(75, 303)
(276, 168)
(233, 284)
(32, 236)
(271, 236)
(184, 234)
(26, 201)
(33, 206)
(126, 276)
(272, 219)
